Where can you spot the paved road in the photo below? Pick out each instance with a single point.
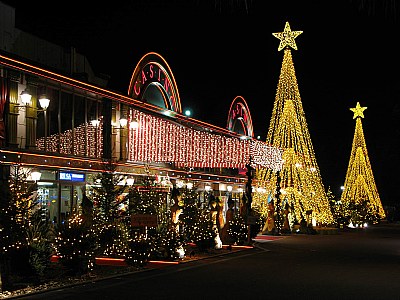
(356, 264)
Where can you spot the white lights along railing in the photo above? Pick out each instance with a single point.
(158, 140)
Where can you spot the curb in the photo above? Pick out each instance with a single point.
(145, 269)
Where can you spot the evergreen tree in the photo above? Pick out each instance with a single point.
(238, 230)
(76, 245)
(17, 212)
(107, 194)
(145, 197)
(190, 213)
(149, 198)
(108, 219)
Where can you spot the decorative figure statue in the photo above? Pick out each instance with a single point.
(286, 225)
(215, 211)
(176, 208)
(269, 227)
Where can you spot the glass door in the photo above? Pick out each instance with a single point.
(71, 200)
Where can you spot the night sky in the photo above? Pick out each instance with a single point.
(218, 50)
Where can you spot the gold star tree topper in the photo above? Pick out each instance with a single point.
(358, 111)
(287, 37)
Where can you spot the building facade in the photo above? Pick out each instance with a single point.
(59, 121)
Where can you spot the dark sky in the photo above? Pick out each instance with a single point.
(219, 49)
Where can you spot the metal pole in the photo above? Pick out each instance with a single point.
(45, 130)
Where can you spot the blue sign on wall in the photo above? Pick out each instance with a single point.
(68, 176)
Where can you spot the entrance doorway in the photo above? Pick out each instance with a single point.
(71, 196)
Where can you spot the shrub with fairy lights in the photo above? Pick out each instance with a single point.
(169, 245)
(238, 230)
(362, 213)
(15, 210)
(139, 249)
(76, 245)
(112, 240)
(107, 219)
(39, 237)
(202, 233)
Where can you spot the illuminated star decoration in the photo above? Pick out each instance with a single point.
(287, 37)
(358, 111)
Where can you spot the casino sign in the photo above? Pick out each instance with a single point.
(239, 118)
(152, 81)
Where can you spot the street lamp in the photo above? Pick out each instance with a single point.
(25, 97)
(123, 122)
(134, 124)
(130, 181)
(35, 175)
(122, 143)
(44, 104)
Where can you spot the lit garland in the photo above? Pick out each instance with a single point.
(359, 186)
(301, 184)
(159, 140)
(87, 141)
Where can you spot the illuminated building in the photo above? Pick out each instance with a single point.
(85, 127)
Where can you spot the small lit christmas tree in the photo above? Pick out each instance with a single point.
(150, 198)
(24, 238)
(238, 230)
(140, 247)
(301, 182)
(360, 194)
(107, 194)
(76, 245)
(146, 198)
(190, 215)
(107, 218)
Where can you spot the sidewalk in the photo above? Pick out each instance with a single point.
(109, 268)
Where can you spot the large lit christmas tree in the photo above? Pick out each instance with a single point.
(302, 190)
(359, 187)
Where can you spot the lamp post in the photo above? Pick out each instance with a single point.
(44, 104)
(249, 217)
(278, 220)
(122, 144)
(35, 175)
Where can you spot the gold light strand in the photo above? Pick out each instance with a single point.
(287, 37)
(360, 187)
(301, 182)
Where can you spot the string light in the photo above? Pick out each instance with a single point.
(159, 140)
(301, 179)
(359, 186)
(88, 141)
